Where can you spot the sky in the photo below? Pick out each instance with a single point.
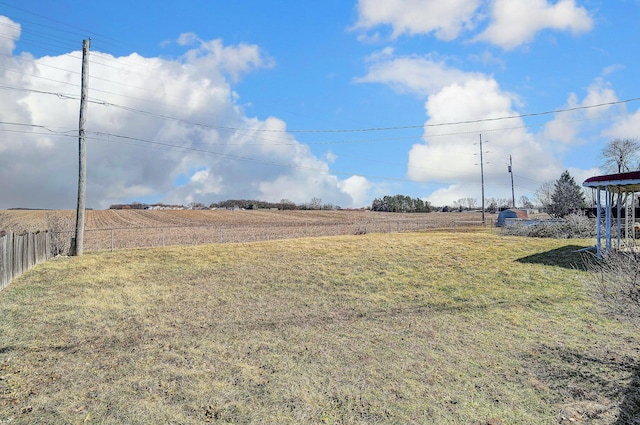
(343, 101)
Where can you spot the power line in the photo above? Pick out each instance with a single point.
(36, 126)
(253, 130)
(173, 147)
(533, 114)
(80, 31)
(33, 36)
(373, 128)
(167, 146)
(370, 129)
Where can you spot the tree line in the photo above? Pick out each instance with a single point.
(283, 204)
(245, 204)
(400, 203)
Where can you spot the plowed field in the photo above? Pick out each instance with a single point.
(33, 220)
(114, 229)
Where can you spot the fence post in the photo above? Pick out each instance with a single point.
(9, 247)
(3, 261)
(163, 237)
(221, 233)
(112, 240)
(24, 253)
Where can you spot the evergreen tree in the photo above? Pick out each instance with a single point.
(400, 203)
(567, 196)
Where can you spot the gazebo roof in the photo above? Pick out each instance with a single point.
(627, 181)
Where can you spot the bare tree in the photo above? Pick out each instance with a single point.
(543, 195)
(315, 204)
(471, 203)
(525, 202)
(620, 155)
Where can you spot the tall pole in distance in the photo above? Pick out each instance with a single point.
(82, 168)
(484, 221)
(513, 193)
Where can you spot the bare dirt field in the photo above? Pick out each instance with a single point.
(33, 220)
(116, 229)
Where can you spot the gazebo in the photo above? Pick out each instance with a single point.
(625, 186)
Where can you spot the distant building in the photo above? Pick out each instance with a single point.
(511, 214)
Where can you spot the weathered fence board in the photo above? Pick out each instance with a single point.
(19, 253)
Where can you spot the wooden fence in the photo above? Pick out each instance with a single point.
(18, 253)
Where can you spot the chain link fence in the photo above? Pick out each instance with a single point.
(146, 237)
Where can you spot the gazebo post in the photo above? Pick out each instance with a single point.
(607, 220)
(631, 208)
(619, 221)
(598, 225)
(627, 183)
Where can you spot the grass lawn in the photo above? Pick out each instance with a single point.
(442, 328)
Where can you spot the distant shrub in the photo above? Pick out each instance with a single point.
(573, 226)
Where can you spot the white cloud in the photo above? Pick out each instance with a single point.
(611, 69)
(450, 155)
(215, 56)
(358, 188)
(166, 160)
(515, 22)
(580, 175)
(10, 33)
(626, 127)
(511, 23)
(330, 157)
(188, 38)
(566, 126)
(446, 19)
(420, 75)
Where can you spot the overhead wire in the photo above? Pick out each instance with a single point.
(163, 145)
(355, 130)
(77, 30)
(169, 146)
(75, 97)
(370, 129)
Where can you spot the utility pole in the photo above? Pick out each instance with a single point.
(513, 194)
(484, 221)
(78, 246)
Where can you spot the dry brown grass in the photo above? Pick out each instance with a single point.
(412, 328)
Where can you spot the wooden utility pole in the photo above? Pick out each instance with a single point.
(78, 246)
(513, 193)
(484, 221)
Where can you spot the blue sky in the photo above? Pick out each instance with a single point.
(201, 101)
